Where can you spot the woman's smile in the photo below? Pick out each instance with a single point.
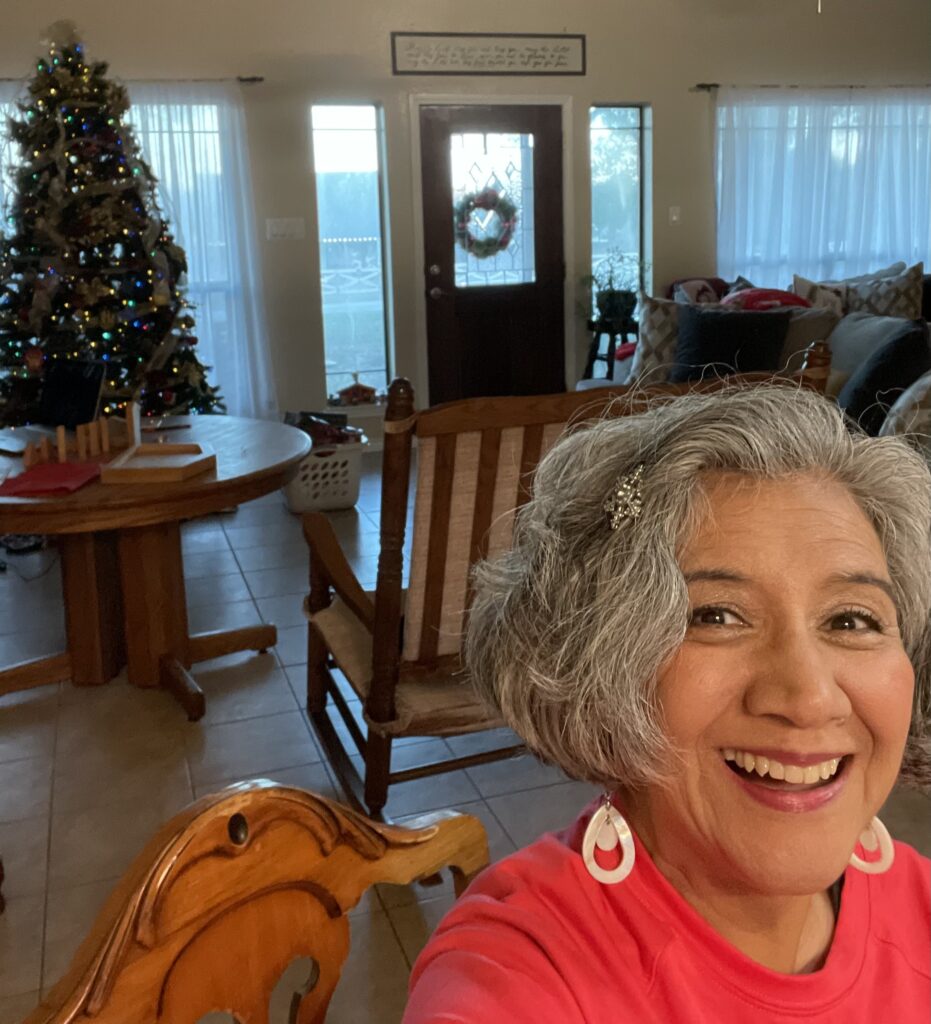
(789, 785)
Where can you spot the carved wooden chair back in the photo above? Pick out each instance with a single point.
(233, 890)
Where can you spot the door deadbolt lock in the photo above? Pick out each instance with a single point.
(435, 269)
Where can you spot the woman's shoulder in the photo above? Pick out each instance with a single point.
(908, 880)
(900, 907)
(535, 931)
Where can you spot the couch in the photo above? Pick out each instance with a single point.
(876, 325)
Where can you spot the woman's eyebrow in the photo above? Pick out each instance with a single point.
(868, 579)
(715, 575)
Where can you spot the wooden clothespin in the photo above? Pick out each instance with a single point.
(61, 443)
(103, 426)
(133, 424)
(81, 432)
(45, 450)
(93, 440)
(30, 456)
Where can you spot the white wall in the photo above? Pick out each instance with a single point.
(309, 51)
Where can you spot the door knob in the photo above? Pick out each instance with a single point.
(437, 293)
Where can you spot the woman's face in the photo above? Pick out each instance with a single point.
(792, 661)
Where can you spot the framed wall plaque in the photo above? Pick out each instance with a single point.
(486, 53)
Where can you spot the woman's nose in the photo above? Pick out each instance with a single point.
(797, 681)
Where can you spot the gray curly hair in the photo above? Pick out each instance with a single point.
(569, 628)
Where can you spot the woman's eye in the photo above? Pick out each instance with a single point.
(714, 616)
(854, 620)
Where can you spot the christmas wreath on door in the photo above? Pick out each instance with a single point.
(494, 241)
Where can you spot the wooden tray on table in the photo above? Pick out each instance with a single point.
(159, 464)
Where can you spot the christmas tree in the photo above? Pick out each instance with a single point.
(88, 267)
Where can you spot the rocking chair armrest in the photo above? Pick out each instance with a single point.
(326, 552)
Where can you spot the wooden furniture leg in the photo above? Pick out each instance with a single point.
(93, 607)
(154, 605)
(159, 649)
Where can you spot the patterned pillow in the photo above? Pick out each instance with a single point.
(657, 339)
(888, 296)
(823, 295)
(697, 292)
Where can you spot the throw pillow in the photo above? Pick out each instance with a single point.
(740, 285)
(893, 270)
(698, 291)
(826, 296)
(854, 340)
(870, 392)
(911, 414)
(718, 341)
(805, 326)
(762, 298)
(889, 296)
(657, 336)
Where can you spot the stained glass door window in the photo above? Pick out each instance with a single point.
(502, 162)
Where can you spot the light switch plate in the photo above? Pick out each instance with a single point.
(278, 229)
(675, 214)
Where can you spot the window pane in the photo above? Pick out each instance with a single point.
(825, 184)
(502, 163)
(346, 162)
(615, 117)
(615, 138)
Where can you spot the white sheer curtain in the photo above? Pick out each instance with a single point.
(825, 183)
(9, 91)
(193, 136)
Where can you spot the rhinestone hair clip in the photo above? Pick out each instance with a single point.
(626, 501)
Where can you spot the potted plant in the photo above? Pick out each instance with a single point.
(615, 280)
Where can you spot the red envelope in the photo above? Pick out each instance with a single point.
(50, 478)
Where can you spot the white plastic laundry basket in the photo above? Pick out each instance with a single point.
(327, 479)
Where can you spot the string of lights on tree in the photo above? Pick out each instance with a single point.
(88, 267)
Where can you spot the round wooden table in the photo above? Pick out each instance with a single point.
(122, 570)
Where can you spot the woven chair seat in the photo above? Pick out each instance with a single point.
(435, 701)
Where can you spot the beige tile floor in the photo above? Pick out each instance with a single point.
(87, 774)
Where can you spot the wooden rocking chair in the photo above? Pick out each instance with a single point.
(401, 651)
(234, 889)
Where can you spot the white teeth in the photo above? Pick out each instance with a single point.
(791, 773)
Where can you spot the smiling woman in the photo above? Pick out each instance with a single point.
(719, 611)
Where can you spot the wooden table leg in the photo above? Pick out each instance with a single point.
(93, 613)
(154, 605)
(159, 649)
(183, 687)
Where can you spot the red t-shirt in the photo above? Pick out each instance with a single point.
(536, 940)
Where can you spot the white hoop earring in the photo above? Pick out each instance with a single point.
(875, 835)
(607, 830)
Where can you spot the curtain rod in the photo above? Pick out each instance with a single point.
(242, 79)
(711, 86)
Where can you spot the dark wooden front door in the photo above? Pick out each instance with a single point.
(494, 322)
